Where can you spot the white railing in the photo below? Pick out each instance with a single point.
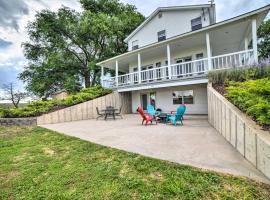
(185, 69)
(154, 74)
(196, 67)
(109, 83)
(233, 60)
(128, 79)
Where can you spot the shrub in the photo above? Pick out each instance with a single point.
(240, 74)
(40, 107)
(252, 97)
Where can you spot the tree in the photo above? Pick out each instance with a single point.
(264, 39)
(65, 46)
(15, 96)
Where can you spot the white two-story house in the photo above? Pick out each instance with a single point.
(171, 52)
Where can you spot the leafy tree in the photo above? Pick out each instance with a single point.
(65, 46)
(264, 36)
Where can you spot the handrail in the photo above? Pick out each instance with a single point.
(231, 54)
(192, 61)
(184, 69)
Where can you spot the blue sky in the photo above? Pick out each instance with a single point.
(15, 14)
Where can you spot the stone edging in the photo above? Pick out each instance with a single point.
(29, 121)
(239, 130)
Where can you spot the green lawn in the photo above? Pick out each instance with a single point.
(36, 163)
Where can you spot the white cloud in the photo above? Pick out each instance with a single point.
(12, 59)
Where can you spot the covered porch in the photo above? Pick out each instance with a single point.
(228, 44)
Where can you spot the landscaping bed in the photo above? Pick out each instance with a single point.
(248, 89)
(42, 164)
(38, 108)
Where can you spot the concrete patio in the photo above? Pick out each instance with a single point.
(196, 143)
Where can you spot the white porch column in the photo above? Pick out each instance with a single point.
(169, 61)
(254, 40)
(102, 76)
(139, 67)
(246, 43)
(116, 73)
(208, 47)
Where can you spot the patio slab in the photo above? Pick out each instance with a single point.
(196, 143)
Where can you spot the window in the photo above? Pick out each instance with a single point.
(196, 23)
(183, 97)
(135, 45)
(161, 35)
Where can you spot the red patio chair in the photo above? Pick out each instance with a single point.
(146, 117)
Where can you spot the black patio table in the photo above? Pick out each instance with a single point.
(109, 111)
(163, 117)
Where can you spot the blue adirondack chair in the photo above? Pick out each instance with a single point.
(179, 115)
(151, 110)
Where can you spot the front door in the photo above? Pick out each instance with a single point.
(144, 101)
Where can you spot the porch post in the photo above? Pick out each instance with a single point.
(116, 73)
(208, 51)
(102, 76)
(169, 61)
(254, 40)
(139, 67)
(246, 43)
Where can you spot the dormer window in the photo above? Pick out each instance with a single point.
(196, 23)
(135, 45)
(161, 35)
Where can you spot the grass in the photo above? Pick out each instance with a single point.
(36, 163)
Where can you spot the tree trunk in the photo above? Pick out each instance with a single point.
(87, 82)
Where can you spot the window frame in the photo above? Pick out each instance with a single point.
(161, 35)
(179, 99)
(196, 23)
(134, 47)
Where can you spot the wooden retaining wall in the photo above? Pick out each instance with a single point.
(87, 110)
(239, 130)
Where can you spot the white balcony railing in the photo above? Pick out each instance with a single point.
(183, 70)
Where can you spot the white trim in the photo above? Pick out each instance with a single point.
(102, 75)
(207, 28)
(139, 68)
(208, 46)
(169, 84)
(116, 72)
(169, 61)
(254, 39)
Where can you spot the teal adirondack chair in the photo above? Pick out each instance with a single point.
(179, 115)
(151, 110)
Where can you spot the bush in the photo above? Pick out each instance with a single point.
(240, 74)
(40, 107)
(252, 97)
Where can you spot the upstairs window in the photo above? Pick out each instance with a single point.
(161, 35)
(135, 45)
(196, 23)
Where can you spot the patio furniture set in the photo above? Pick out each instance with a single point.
(156, 116)
(109, 112)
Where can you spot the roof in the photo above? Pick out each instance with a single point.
(162, 9)
(207, 28)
